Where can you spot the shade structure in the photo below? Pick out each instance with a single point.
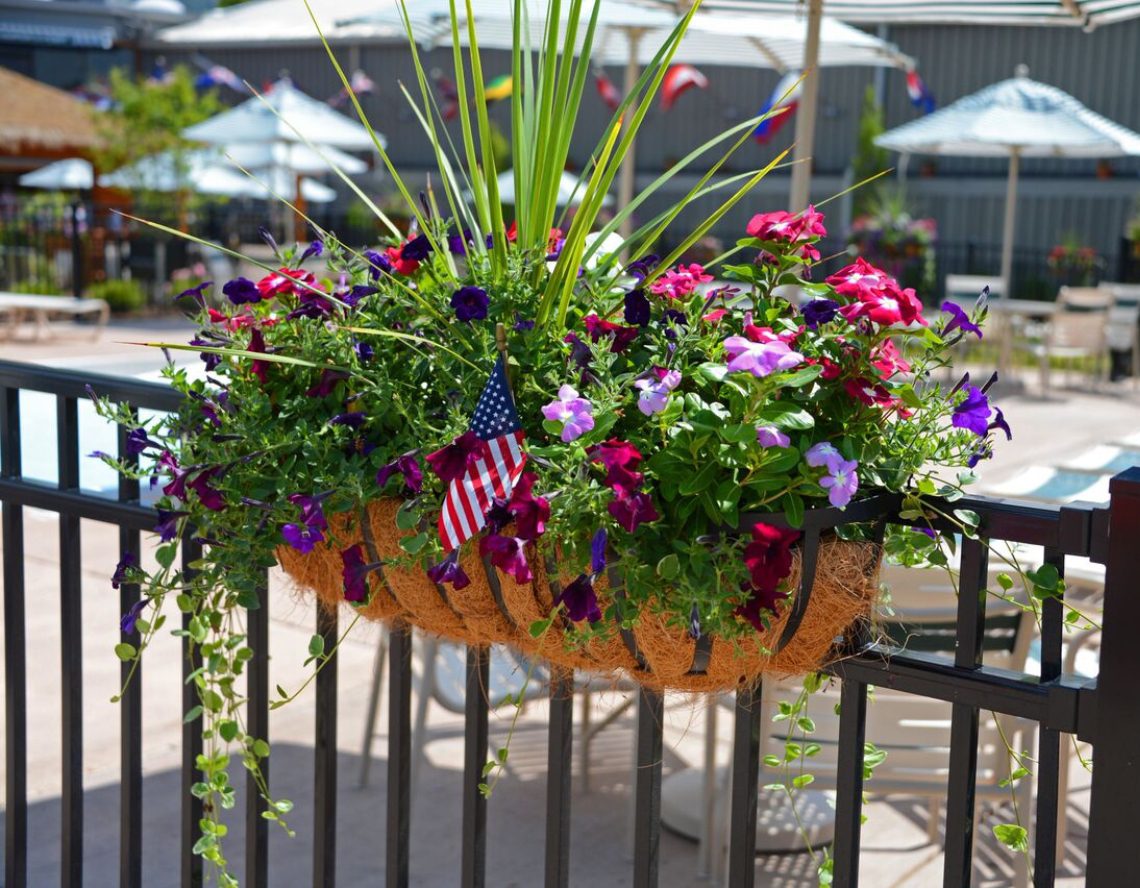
(207, 172)
(1072, 13)
(298, 157)
(286, 22)
(282, 114)
(72, 174)
(1015, 118)
(570, 190)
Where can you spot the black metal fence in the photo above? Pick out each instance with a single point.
(1103, 711)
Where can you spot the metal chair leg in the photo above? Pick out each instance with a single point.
(373, 708)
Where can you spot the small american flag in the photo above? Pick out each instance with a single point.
(494, 473)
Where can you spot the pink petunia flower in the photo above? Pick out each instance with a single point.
(760, 358)
(860, 280)
(679, 282)
(654, 395)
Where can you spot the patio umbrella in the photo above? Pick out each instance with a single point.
(299, 158)
(1074, 13)
(1015, 118)
(72, 174)
(569, 190)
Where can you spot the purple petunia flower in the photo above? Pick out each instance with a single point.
(453, 461)
(573, 412)
(633, 510)
(819, 311)
(823, 454)
(407, 466)
(598, 551)
(973, 413)
(210, 359)
(508, 554)
(470, 304)
(1000, 423)
(167, 527)
(301, 537)
(137, 442)
(842, 483)
(316, 248)
(637, 308)
(449, 571)
(127, 563)
(521, 324)
(580, 600)
(457, 243)
(641, 268)
(378, 264)
(959, 320)
(579, 352)
(770, 436)
(177, 485)
(326, 383)
(355, 573)
(312, 512)
(196, 293)
(129, 620)
(241, 290)
(353, 419)
(760, 358)
(364, 351)
(654, 395)
(417, 249)
(358, 292)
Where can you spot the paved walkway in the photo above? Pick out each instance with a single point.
(896, 851)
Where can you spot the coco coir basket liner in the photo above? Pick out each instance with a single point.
(494, 609)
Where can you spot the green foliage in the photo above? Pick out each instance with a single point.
(122, 295)
(869, 159)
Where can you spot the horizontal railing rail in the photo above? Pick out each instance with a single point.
(1098, 710)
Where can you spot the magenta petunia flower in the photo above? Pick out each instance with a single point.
(575, 413)
(768, 556)
(770, 436)
(654, 395)
(453, 461)
(680, 282)
(508, 554)
(529, 511)
(599, 329)
(407, 466)
(860, 280)
(355, 573)
(327, 383)
(760, 358)
(823, 454)
(209, 497)
(842, 483)
(633, 510)
(620, 459)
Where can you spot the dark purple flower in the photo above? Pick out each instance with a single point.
(973, 413)
(123, 569)
(267, 236)
(355, 573)
(580, 600)
(999, 422)
(311, 305)
(210, 359)
(449, 571)
(470, 304)
(819, 311)
(598, 551)
(241, 290)
(131, 617)
(312, 512)
(457, 243)
(208, 496)
(508, 554)
(498, 516)
(196, 294)
(641, 268)
(407, 466)
(353, 419)
(632, 510)
(978, 455)
(326, 384)
(301, 537)
(260, 369)
(453, 461)
(167, 527)
(637, 307)
(364, 351)
(316, 248)
(378, 264)
(759, 605)
(522, 325)
(352, 297)
(417, 249)
(959, 320)
(530, 512)
(137, 442)
(599, 329)
(177, 485)
(579, 351)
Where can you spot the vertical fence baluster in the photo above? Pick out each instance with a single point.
(1049, 760)
(71, 659)
(15, 655)
(745, 789)
(849, 784)
(324, 779)
(473, 873)
(191, 863)
(647, 822)
(560, 747)
(257, 726)
(1114, 853)
(961, 783)
(399, 755)
(130, 707)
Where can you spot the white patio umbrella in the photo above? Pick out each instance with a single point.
(298, 158)
(72, 174)
(570, 191)
(1015, 118)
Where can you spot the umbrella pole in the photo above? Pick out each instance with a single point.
(628, 179)
(1008, 230)
(805, 119)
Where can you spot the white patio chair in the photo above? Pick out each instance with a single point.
(1124, 323)
(1076, 330)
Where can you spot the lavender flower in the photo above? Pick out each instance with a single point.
(823, 454)
(770, 436)
(760, 358)
(654, 395)
(842, 483)
(573, 412)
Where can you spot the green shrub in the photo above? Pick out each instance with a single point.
(122, 295)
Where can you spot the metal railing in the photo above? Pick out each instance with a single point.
(1103, 711)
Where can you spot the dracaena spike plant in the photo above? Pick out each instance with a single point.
(661, 400)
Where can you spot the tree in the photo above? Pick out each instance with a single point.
(869, 159)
